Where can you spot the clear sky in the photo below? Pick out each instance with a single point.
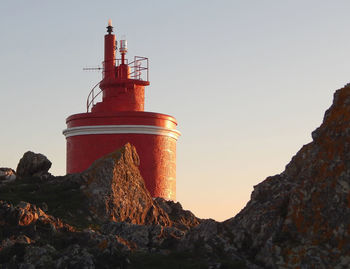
(248, 81)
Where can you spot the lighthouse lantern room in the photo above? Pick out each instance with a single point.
(115, 116)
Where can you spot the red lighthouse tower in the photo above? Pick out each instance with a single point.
(120, 118)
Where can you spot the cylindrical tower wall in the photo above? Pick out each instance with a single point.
(122, 118)
(129, 97)
(157, 157)
(93, 135)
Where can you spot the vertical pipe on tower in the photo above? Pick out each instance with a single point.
(110, 53)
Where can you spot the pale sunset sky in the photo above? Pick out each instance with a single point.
(248, 81)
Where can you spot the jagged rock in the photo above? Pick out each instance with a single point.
(76, 256)
(297, 219)
(211, 239)
(33, 164)
(46, 242)
(11, 241)
(26, 214)
(142, 237)
(182, 219)
(115, 190)
(301, 218)
(7, 175)
(38, 257)
(111, 189)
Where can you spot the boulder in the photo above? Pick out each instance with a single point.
(7, 175)
(33, 164)
(25, 214)
(115, 190)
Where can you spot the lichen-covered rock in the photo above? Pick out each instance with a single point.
(33, 164)
(115, 190)
(110, 214)
(142, 237)
(301, 218)
(297, 219)
(180, 218)
(43, 241)
(26, 214)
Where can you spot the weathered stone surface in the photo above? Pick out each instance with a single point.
(33, 164)
(7, 175)
(182, 219)
(116, 191)
(143, 237)
(110, 195)
(29, 238)
(297, 219)
(301, 218)
(26, 214)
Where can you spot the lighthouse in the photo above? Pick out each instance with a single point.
(115, 116)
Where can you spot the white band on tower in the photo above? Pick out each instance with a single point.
(121, 129)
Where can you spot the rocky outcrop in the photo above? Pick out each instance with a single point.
(301, 218)
(33, 164)
(98, 219)
(143, 237)
(105, 217)
(7, 175)
(29, 238)
(25, 214)
(115, 190)
(111, 189)
(180, 218)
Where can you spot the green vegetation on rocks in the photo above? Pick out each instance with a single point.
(63, 198)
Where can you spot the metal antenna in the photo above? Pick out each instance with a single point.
(92, 68)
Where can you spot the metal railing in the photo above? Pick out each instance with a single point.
(139, 68)
(90, 102)
(138, 71)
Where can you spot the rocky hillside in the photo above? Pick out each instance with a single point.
(301, 217)
(101, 218)
(105, 217)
